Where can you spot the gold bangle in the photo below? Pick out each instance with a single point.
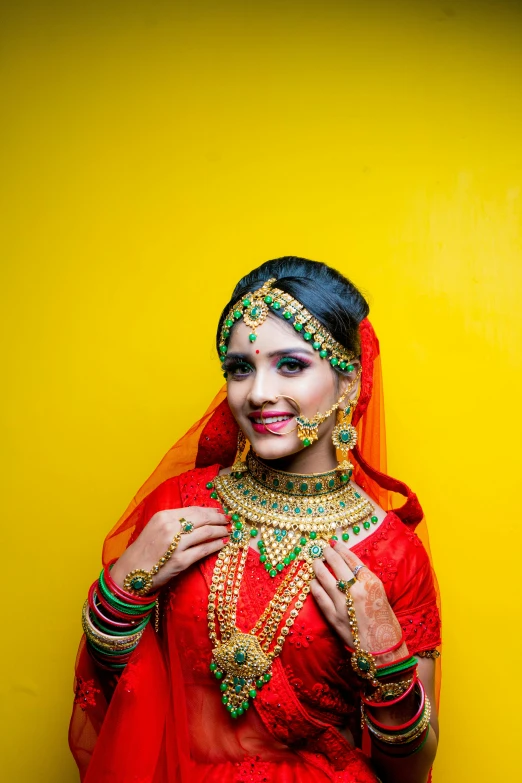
(106, 641)
(405, 737)
(387, 691)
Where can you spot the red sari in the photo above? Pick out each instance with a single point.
(162, 720)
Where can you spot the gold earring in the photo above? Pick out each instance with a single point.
(344, 436)
(308, 429)
(239, 466)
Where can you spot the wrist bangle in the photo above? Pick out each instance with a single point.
(410, 723)
(390, 693)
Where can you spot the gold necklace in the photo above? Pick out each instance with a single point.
(309, 511)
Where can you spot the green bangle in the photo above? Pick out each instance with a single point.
(395, 668)
(135, 628)
(120, 605)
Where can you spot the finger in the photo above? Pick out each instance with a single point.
(201, 534)
(328, 581)
(323, 600)
(197, 515)
(195, 553)
(347, 555)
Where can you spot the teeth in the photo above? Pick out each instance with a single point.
(272, 419)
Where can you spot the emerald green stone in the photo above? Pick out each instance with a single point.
(272, 572)
(342, 365)
(223, 349)
(229, 323)
(214, 495)
(245, 705)
(268, 300)
(334, 361)
(218, 675)
(138, 583)
(267, 677)
(234, 713)
(356, 529)
(261, 544)
(342, 503)
(347, 410)
(237, 535)
(237, 314)
(290, 485)
(286, 561)
(318, 486)
(363, 664)
(309, 511)
(316, 550)
(240, 656)
(287, 314)
(238, 525)
(366, 524)
(298, 327)
(313, 535)
(345, 436)
(224, 699)
(280, 566)
(302, 540)
(345, 536)
(297, 549)
(275, 505)
(307, 442)
(286, 508)
(357, 495)
(297, 510)
(277, 305)
(335, 538)
(262, 558)
(303, 486)
(321, 509)
(292, 555)
(237, 689)
(254, 313)
(253, 532)
(223, 687)
(307, 336)
(235, 517)
(252, 693)
(229, 707)
(323, 354)
(213, 667)
(341, 585)
(210, 485)
(331, 483)
(317, 346)
(275, 482)
(252, 337)
(374, 520)
(345, 478)
(259, 683)
(350, 368)
(246, 302)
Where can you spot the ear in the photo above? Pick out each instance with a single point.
(347, 378)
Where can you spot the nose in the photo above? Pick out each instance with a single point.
(263, 389)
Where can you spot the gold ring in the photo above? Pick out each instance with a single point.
(186, 526)
(345, 586)
(286, 397)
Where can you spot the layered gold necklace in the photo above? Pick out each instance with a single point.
(294, 517)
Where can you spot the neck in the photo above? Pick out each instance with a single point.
(318, 458)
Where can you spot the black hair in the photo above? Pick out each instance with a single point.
(327, 294)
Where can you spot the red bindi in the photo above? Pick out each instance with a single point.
(257, 350)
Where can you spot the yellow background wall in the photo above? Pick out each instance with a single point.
(153, 152)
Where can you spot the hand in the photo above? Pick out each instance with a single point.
(206, 538)
(378, 627)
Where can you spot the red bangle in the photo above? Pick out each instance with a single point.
(383, 652)
(409, 723)
(130, 598)
(95, 608)
(391, 702)
(116, 612)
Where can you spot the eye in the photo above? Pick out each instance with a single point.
(291, 365)
(237, 369)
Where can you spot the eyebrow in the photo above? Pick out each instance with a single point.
(272, 354)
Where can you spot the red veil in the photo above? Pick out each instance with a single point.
(117, 727)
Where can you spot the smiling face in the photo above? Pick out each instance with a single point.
(278, 365)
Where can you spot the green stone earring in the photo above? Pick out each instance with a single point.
(344, 437)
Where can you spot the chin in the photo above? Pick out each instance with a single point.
(269, 450)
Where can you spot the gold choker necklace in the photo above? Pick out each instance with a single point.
(294, 516)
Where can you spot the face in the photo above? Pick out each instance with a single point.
(281, 363)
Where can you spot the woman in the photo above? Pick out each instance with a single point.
(296, 622)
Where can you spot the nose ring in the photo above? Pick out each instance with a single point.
(294, 403)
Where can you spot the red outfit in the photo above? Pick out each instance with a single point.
(168, 701)
(162, 720)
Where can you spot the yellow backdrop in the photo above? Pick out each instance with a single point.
(153, 152)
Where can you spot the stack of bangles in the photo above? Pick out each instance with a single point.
(114, 620)
(393, 740)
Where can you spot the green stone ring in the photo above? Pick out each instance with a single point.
(345, 586)
(186, 526)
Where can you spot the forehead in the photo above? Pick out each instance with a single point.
(272, 334)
